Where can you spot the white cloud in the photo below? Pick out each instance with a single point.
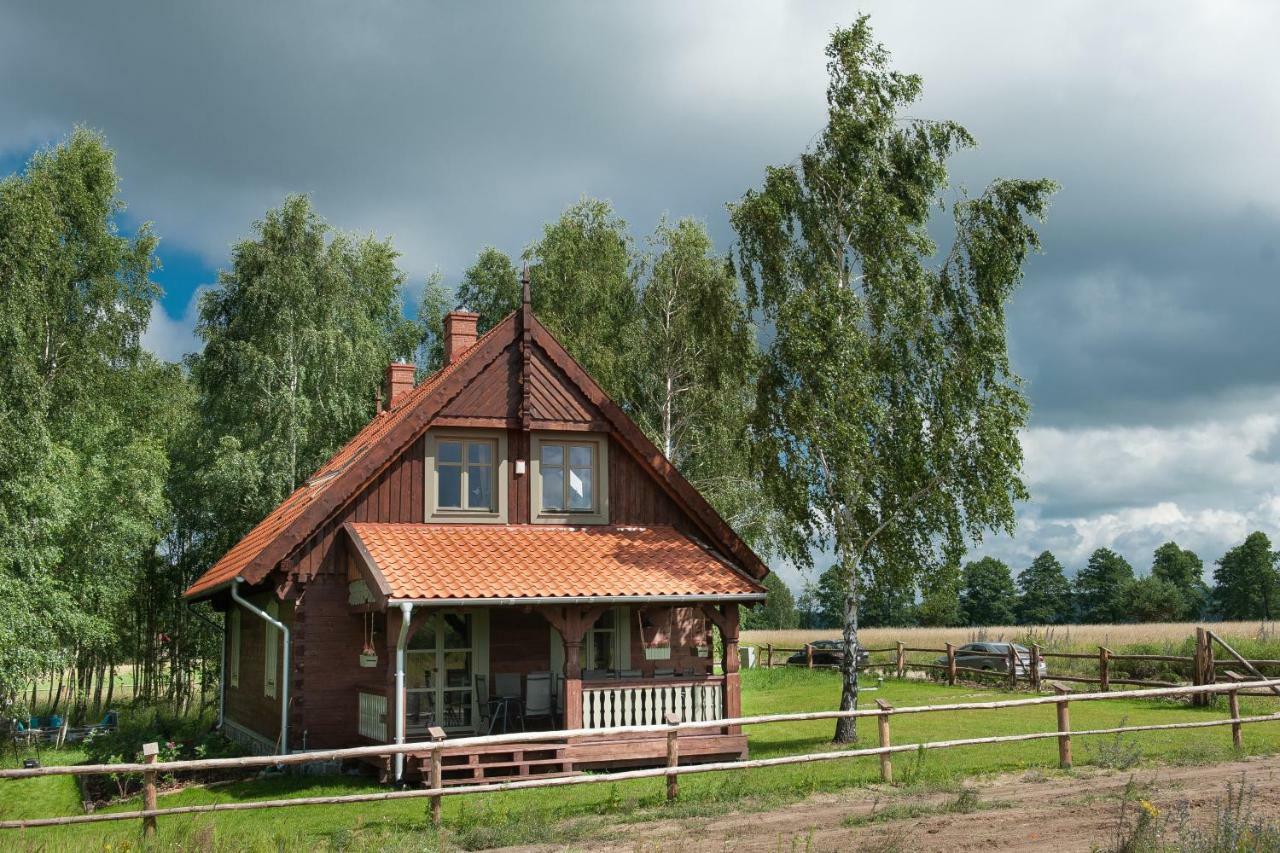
(170, 338)
(1205, 484)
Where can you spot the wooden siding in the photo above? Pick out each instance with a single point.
(553, 398)
(495, 393)
(635, 497)
(246, 704)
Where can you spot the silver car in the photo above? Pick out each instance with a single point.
(994, 657)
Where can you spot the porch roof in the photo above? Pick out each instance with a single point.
(490, 561)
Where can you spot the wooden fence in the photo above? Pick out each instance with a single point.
(1061, 730)
(1025, 668)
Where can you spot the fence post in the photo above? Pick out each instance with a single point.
(436, 779)
(673, 756)
(1233, 703)
(902, 659)
(1035, 667)
(1064, 727)
(1013, 667)
(769, 656)
(1198, 666)
(808, 655)
(951, 664)
(886, 758)
(1104, 669)
(150, 752)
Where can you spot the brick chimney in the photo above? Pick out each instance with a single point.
(459, 334)
(399, 382)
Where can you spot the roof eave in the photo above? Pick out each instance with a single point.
(519, 601)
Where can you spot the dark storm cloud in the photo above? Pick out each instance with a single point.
(1146, 327)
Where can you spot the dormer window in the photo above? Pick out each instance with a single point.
(466, 476)
(570, 478)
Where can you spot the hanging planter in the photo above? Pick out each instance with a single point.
(655, 632)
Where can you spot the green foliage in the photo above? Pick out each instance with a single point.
(432, 307)
(1100, 588)
(1185, 571)
(490, 287)
(888, 415)
(777, 613)
(82, 443)
(584, 276)
(695, 363)
(940, 598)
(1153, 599)
(1045, 593)
(297, 336)
(1247, 585)
(987, 596)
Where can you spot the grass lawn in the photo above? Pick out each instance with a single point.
(579, 812)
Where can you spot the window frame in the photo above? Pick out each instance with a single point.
(599, 443)
(434, 512)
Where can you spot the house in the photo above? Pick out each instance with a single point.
(499, 547)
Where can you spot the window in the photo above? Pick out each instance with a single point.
(466, 476)
(272, 656)
(602, 642)
(570, 483)
(233, 655)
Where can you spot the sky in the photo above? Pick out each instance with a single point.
(1145, 330)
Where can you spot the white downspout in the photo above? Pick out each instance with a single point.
(284, 688)
(406, 614)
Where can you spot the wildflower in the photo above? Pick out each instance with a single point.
(1148, 808)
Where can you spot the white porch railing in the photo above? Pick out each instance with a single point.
(608, 705)
(373, 716)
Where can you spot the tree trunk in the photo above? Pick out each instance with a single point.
(847, 727)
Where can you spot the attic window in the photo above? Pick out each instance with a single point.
(570, 481)
(466, 476)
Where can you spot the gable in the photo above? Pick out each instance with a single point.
(494, 393)
(553, 397)
(517, 374)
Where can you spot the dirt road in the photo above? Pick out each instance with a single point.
(1067, 812)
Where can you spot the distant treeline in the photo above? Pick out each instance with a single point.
(1246, 581)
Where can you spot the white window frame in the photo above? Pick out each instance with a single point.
(271, 655)
(620, 642)
(496, 515)
(599, 513)
(233, 652)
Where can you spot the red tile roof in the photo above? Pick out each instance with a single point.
(457, 561)
(256, 540)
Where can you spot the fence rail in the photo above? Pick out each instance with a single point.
(883, 713)
(1025, 667)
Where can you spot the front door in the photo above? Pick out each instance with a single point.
(440, 667)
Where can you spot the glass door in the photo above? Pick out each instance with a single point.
(439, 674)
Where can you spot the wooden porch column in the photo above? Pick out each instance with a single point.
(572, 684)
(572, 623)
(726, 620)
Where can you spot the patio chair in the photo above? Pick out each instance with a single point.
(538, 697)
(507, 686)
(487, 704)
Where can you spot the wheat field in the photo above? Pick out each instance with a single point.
(1051, 637)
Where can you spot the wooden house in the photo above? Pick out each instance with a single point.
(499, 547)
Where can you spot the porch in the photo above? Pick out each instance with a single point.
(466, 671)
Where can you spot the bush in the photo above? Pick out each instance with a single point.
(180, 737)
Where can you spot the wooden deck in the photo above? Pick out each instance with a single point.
(567, 756)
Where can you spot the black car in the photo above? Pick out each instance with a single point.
(828, 653)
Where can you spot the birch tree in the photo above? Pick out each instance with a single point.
(888, 413)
